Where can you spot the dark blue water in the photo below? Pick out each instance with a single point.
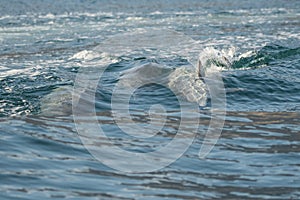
(44, 44)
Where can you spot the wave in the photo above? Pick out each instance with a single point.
(265, 56)
(185, 80)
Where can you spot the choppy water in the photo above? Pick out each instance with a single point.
(43, 46)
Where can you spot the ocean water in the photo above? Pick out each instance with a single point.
(254, 46)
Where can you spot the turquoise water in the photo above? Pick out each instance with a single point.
(45, 43)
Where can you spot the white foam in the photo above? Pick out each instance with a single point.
(87, 55)
(211, 57)
(132, 18)
(246, 54)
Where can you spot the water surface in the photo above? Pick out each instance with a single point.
(43, 45)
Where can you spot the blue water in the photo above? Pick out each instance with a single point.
(45, 43)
